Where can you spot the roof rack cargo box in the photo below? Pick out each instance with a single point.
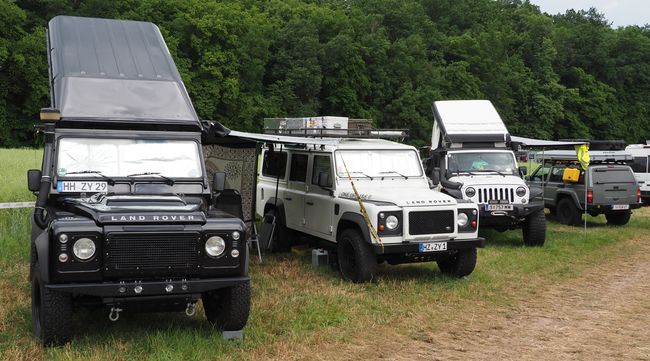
(114, 71)
(306, 125)
(467, 124)
(595, 156)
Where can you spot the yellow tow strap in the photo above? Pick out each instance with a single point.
(362, 209)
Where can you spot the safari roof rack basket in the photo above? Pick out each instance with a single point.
(330, 127)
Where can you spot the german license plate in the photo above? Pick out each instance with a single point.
(620, 206)
(499, 207)
(81, 186)
(433, 247)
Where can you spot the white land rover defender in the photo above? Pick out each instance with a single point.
(472, 159)
(309, 188)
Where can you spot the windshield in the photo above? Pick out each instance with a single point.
(378, 163)
(124, 157)
(478, 162)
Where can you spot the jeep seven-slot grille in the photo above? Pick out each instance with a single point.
(152, 251)
(431, 222)
(491, 194)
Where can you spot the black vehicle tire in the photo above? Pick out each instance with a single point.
(460, 264)
(51, 313)
(357, 261)
(618, 218)
(534, 229)
(282, 236)
(567, 213)
(227, 309)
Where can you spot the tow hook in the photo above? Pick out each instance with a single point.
(191, 309)
(114, 315)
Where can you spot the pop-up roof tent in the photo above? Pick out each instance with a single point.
(115, 71)
(467, 124)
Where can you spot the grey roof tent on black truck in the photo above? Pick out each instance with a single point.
(125, 217)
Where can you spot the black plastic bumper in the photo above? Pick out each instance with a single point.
(498, 218)
(149, 288)
(607, 208)
(414, 247)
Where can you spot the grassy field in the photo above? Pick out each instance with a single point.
(297, 309)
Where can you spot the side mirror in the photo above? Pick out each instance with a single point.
(324, 180)
(219, 182)
(523, 171)
(435, 176)
(34, 180)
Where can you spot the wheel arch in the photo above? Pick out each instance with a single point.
(571, 195)
(353, 220)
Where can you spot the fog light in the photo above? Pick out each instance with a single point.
(63, 257)
(84, 248)
(234, 253)
(462, 220)
(63, 238)
(235, 235)
(215, 246)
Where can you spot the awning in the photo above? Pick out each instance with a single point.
(540, 143)
(282, 139)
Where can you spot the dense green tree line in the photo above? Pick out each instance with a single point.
(567, 76)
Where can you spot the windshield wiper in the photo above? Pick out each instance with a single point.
(168, 180)
(494, 170)
(362, 173)
(392, 171)
(109, 180)
(458, 171)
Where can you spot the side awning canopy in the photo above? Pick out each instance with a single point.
(540, 143)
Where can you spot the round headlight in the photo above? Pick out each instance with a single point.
(215, 246)
(84, 248)
(521, 191)
(462, 219)
(392, 222)
(470, 192)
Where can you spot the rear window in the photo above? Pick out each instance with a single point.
(613, 175)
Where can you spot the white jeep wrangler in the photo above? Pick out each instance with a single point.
(310, 191)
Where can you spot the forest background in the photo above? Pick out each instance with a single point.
(551, 77)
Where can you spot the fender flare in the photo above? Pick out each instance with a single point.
(564, 193)
(356, 219)
(279, 206)
(42, 251)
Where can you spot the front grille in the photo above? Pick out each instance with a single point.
(167, 252)
(431, 222)
(496, 194)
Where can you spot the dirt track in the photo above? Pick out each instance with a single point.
(602, 315)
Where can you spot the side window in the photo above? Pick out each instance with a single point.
(322, 164)
(556, 173)
(298, 172)
(274, 164)
(640, 165)
(541, 173)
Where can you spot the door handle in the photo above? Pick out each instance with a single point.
(288, 198)
(310, 203)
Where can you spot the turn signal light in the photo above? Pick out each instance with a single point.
(473, 223)
(381, 228)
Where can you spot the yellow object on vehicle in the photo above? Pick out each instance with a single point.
(571, 175)
(582, 151)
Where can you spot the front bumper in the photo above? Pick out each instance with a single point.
(501, 218)
(148, 288)
(414, 247)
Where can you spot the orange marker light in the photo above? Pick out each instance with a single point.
(381, 228)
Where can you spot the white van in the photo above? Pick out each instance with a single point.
(641, 168)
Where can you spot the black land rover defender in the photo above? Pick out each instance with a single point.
(124, 216)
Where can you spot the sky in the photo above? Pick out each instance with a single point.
(617, 12)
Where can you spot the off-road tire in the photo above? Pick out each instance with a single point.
(534, 229)
(567, 213)
(460, 264)
(618, 218)
(357, 261)
(51, 312)
(282, 236)
(227, 309)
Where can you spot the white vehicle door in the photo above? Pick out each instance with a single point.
(641, 168)
(294, 195)
(319, 204)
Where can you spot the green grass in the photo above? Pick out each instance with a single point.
(14, 164)
(297, 307)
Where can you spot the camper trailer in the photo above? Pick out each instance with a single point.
(471, 159)
(125, 218)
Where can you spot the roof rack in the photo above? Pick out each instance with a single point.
(595, 157)
(600, 144)
(341, 133)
